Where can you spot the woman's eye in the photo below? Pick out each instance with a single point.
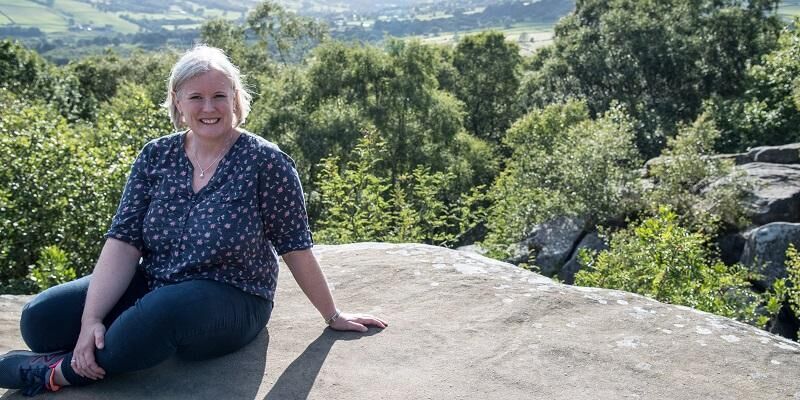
(221, 96)
(194, 97)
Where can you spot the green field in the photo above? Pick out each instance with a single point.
(529, 37)
(56, 19)
(30, 14)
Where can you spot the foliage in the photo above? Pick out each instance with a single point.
(285, 33)
(660, 59)
(563, 163)
(472, 161)
(703, 190)
(61, 182)
(26, 74)
(768, 112)
(787, 290)
(278, 33)
(52, 268)
(488, 69)
(660, 259)
(100, 77)
(361, 204)
(349, 88)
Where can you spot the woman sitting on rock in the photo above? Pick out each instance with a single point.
(190, 263)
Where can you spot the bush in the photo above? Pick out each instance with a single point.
(786, 291)
(61, 182)
(660, 259)
(52, 268)
(563, 163)
(690, 181)
(361, 204)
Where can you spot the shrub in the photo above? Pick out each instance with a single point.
(660, 259)
(62, 182)
(52, 268)
(361, 204)
(563, 163)
(690, 181)
(786, 291)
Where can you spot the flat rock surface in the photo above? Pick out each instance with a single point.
(466, 327)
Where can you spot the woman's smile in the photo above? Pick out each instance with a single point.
(206, 103)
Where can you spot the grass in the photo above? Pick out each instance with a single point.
(86, 14)
(28, 13)
(541, 33)
(55, 20)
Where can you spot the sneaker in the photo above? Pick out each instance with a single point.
(28, 371)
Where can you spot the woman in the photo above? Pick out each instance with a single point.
(190, 263)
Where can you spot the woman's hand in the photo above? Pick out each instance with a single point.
(356, 322)
(92, 337)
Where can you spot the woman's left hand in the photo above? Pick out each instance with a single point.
(357, 322)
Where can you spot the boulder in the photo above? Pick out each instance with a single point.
(786, 154)
(775, 195)
(551, 242)
(473, 248)
(731, 247)
(592, 242)
(765, 249)
(463, 326)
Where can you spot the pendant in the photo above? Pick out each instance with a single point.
(202, 174)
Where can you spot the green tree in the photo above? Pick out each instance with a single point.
(362, 204)
(232, 39)
(100, 76)
(351, 87)
(287, 34)
(660, 59)
(69, 173)
(768, 112)
(487, 82)
(563, 163)
(27, 74)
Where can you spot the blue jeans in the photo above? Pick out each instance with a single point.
(196, 320)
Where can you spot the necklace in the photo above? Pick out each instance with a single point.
(219, 157)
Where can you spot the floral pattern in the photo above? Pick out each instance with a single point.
(231, 231)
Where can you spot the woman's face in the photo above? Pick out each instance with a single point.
(206, 103)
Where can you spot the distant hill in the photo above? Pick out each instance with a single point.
(75, 26)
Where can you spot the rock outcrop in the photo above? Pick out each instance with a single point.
(773, 197)
(463, 326)
(765, 249)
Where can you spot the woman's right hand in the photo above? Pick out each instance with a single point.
(92, 337)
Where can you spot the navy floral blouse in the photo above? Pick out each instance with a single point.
(231, 231)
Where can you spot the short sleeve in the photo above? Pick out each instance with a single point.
(283, 208)
(127, 222)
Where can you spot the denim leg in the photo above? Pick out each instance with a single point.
(51, 321)
(197, 319)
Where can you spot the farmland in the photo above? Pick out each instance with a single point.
(90, 25)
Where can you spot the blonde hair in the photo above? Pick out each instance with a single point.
(199, 60)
